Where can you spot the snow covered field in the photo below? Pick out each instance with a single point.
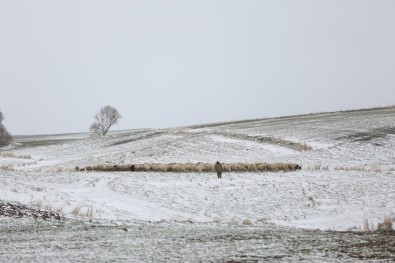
(347, 181)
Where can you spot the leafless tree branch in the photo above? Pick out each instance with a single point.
(104, 119)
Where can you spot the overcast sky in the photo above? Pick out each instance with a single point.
(174, 63)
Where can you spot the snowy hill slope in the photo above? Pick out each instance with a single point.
(347, 179)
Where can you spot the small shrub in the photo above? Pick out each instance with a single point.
(386, 225)
(76, 210)
(80, 210)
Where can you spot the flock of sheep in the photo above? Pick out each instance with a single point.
(193, 167)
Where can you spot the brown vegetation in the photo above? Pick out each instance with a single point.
(192, 167)
(14, 155)
(297, 146)
(386, 225)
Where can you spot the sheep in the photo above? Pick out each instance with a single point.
(125, 167)
(176, 168)
(183, 168)
(260, 167)
(189, 167)
(206, 168)
(146, 167)
(198, 169)
(226, 167)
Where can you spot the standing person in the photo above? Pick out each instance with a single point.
(218, 169)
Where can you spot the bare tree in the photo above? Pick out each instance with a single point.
(107, 117)
(5, 137)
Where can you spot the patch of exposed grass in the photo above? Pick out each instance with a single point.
(148, 136)
(270, 140)
(85, 211)
(14, 155)
(38, 143)
(366, 136)
(180, 132)
(365, 168)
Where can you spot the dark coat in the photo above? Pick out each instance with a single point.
(218, 169)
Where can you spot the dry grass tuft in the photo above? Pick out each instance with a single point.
(372, 169)
(312, 200)
(366, 226)
(386, 225)
(7, 167)
(14, 155)
(85, 211)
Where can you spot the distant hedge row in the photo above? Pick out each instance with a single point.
(192, 167)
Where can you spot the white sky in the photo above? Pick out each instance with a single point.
(173, 63)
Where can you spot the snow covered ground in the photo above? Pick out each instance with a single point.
(347, 180)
